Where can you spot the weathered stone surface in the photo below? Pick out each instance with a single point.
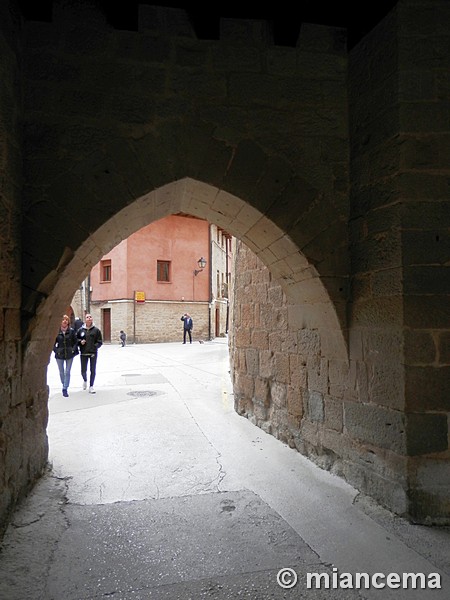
(426, 433)
(375, 425)
(316, 410)
(428, 388)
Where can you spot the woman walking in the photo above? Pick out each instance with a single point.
(65, 348)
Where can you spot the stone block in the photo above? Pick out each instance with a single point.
(289, 342)
(430, 280)
(243, 337)
(276, 341)
(318, 374)
(308, 343)
(386, 283)
(333, 414)
(428, 507)
(376, 425)
(417, 213)
(266, 364)
(420, 348)
(427, 388)
(260, 340)
(426, 433)
(298, 375)
(252, 361)
(331, 452)
(338, 375)
(376, 312)
(385, 384)
(429, 490)
(426, 312)
(382, 344)
(6, 502)
(388, 492)
(244, 385)
(262, 392)
(380, 251)
(190, 55)
(295, 405)
(262, 275)
(275, 296)
(430, 472)
(245, 59)
(281, 60)
(259, 412)
(316, 408)
(271, 319)
(281, 363)
(430, 247)
(309, 438)
(247, 316)
(278, 393)
(444, 348)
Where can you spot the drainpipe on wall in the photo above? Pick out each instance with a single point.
(134, 317)
(228, 282)
(210, 282)
(88, 299)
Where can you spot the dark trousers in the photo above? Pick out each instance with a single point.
(92, 358)
(187, 331)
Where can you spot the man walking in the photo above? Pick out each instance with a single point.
(90, 340)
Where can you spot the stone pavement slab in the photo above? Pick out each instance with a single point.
(159, 545)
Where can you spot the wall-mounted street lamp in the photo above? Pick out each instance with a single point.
(202, 264)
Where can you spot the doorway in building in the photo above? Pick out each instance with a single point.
(106, 324)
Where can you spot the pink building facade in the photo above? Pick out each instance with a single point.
(144, 284)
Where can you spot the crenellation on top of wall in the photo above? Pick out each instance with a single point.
(247, 32)
(82, 28)
(73, 12)
(165, 21)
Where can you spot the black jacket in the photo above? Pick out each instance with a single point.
(66, 344)
(188, 323)
(93, 337)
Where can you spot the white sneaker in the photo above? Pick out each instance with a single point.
(91, 390)
(84, 385)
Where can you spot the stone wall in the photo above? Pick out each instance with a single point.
(23, 412)
(399, 241)
(286, 383)
(153, 322)
(380, 419)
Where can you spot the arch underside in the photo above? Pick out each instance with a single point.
(309, 302)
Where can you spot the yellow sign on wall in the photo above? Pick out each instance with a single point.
(139, 296)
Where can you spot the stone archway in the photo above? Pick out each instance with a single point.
(309, 301)
(298, 153)
(311, 317)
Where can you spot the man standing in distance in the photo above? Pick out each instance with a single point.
(187, 327)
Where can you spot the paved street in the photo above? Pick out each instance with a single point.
(159, 490)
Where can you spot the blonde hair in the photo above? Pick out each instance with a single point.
(65, 318)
